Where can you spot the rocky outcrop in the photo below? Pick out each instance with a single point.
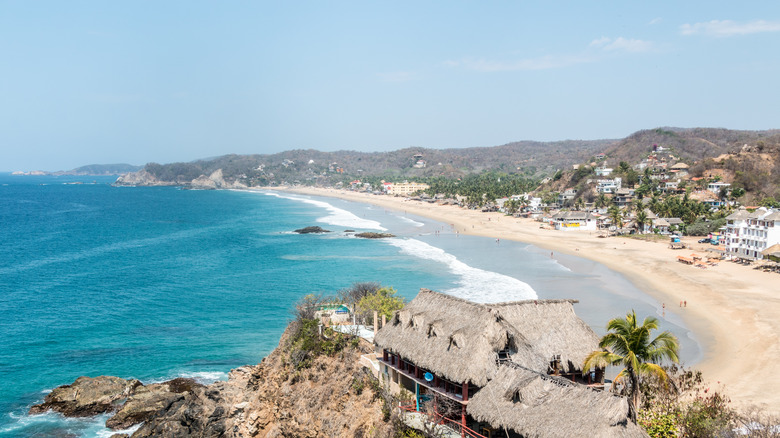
(370, 235)
(331, 398)
(334, 397)
(87, 396)
(146, 401)
(141, 178)
(214, 181)
(310, 230)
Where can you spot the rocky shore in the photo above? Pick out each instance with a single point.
(272, 399)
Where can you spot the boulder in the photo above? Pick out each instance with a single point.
(88, 396)
(149, 400)
(142, 407)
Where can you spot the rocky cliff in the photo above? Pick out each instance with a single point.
(215, 180)
(332, 397)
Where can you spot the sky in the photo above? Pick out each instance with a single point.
(96, 82)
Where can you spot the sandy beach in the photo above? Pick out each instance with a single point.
(733, 309)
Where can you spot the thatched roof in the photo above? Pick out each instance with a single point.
(739, 215)
(773, 250)
(459, 339)
(573, 215)
(774, 216)
(536, 405)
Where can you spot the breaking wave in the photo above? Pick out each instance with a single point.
(336, 216)
(473, 284)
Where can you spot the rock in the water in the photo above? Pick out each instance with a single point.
(149, 400)
(309, 230)
(370, 235)
(87, 396)
(141, 407)
(120, 435)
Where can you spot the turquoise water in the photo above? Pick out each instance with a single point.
(154, 283)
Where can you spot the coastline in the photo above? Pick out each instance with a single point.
(731, 309)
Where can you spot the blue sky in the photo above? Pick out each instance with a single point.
(85, 82)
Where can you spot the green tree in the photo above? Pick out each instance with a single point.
(383, 301)
(602, 201)
(641, 220)
(616, 215)
(631, 346)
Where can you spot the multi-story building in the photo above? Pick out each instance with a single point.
(748, 234)
(405, 188)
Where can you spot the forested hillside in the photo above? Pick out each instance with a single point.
(746, 158)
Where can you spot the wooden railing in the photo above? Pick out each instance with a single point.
(439, 419)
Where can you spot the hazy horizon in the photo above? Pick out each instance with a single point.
(100, 83)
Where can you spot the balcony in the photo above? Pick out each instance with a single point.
(458, 392)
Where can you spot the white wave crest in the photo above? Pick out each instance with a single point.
(336, 216)
(474, 284)
(206, 377)
(411, 221)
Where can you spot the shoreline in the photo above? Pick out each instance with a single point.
(731, 309)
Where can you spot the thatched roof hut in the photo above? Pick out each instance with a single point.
(460, 340)
(536, 405)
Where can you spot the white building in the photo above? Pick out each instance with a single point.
(575, 220)
(715, 187)
(609, 185)
(747, 234)
(603, 171)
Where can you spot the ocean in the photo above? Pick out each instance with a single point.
(157, 282)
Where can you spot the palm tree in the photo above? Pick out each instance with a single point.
(641, 220)
(629, 345)
(616, 215)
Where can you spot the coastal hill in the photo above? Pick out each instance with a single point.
(90, 170)
(332, 396)
(532, 159)
(690, 144)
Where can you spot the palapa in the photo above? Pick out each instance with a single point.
(460, 340)
(536, 405)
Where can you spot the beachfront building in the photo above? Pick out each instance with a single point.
(405, 188)
(510, 369)
(748, 234)
(575, 220)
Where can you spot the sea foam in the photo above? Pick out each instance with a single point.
(473, 284)
(336, 216)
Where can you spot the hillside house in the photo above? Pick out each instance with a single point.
(623, 197)
(507, 369)
(716, 186)
(748, 234)
(603, 170)
(567, 195)
(608, 186)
